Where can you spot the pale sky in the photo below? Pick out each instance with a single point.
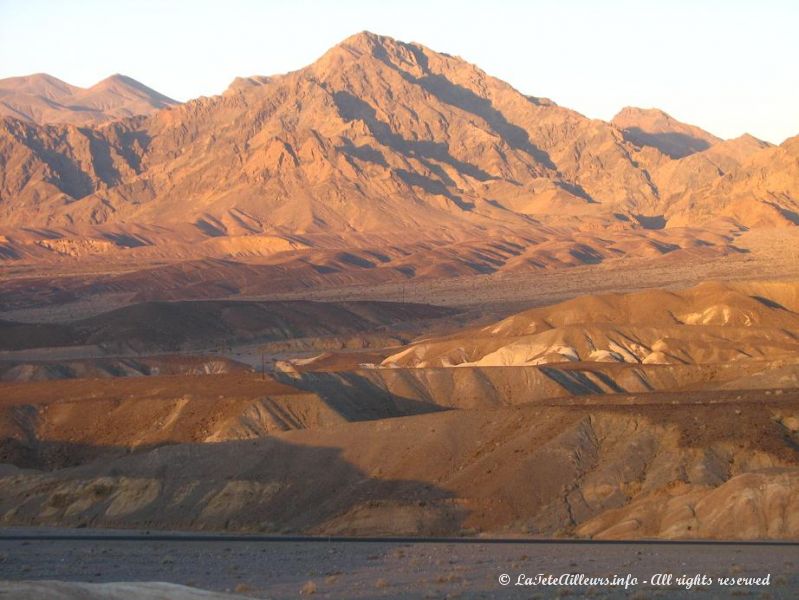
(728, 66)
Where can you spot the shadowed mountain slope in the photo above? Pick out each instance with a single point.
(655, 128)
(156, 326)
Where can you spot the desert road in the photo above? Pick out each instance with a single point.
(286, 566)
(79, 535)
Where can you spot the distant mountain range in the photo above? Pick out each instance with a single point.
(376, 138)
(42, 99)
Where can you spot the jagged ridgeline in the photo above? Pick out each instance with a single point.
(374, 136)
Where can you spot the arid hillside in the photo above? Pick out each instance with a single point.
(683, 466)
(655, 128)
(711, 323)
(671, 414)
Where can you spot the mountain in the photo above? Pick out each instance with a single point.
(383, 144)
(43, 99)
(677, 177)
(374, 131)
(653, 127)
(762, 191)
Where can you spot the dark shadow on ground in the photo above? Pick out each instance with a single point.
(261, 485)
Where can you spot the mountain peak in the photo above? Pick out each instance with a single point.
(364, 38)
(637, 114)
(749, 138)
(658, 129)
(41, 84)
(381, 47)
(35, 78)
(376, 135)
(42, 98)
(117, 79)
(122, 84)
(239, 84)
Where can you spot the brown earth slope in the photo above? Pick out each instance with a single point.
(673, 470)
(711, 323)
(84, 419)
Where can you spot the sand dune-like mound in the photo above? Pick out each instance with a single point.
(755, 505)
(711, 323)
(472, 387)
(583, 433)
